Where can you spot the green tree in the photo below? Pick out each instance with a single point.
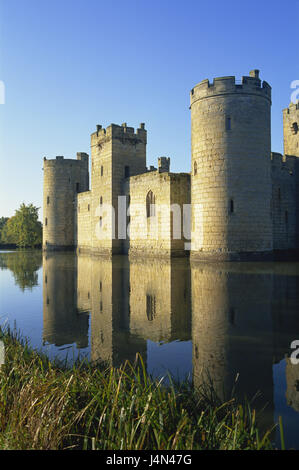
(24, 228)
(3, 221)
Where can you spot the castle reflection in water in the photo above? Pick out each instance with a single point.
(129, 303)
(240, 317)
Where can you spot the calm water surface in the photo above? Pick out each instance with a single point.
(232, 321)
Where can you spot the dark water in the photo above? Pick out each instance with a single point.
(234, 320)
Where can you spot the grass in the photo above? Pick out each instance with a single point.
(45, 405)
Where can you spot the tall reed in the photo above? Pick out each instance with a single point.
(46, 405)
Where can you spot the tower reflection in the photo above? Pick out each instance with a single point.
(63, 324)
(241, 318)
(232, 332)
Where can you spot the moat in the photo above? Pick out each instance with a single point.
(234, 321)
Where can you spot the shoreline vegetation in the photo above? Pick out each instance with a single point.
(13, 246)
(46, 405)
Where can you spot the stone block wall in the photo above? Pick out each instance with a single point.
(231, 178)
(153, 233)
(284, 202)
(117, 152)
(244, 202)
(84, 221)
(63, 179)
(291, 129)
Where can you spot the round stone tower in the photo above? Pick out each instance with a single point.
(230, 178)
(63, 179)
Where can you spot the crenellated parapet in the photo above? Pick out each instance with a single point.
(292, 109)
(251, 85)
(122, 133)
(285, 163)
(67, 163)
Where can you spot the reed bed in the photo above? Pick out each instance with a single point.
(47, 405)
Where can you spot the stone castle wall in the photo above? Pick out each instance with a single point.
(154, 233)
(231, 178)
(244, 200)
(116, 152)
(291, 130)
(284, 201)
(84, 220)
(63, 179)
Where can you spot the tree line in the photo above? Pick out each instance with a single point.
(23, 229)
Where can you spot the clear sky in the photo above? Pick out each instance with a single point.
(68, 65)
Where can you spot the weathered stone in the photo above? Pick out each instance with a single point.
(244, 199)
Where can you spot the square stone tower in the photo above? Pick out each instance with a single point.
(291, 130)
(117, 153)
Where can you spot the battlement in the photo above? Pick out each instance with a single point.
(163, 164)
(292, 109)
(123, 132)
(82, 160)
(82, 156)
(228, 85)
(286, 163)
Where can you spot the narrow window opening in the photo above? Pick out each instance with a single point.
(77, 187)
(101, 286)
(228, 124)
(294, 128)
(102, 170)
(101, 221)
(127, 171)
(150, 204)
(232, 316)
(195, 168)
(46, 221)
(286, 217)
(88, 207)
(101, 200)
(48, 199)
(231, 206)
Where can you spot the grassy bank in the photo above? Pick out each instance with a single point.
(46, 406)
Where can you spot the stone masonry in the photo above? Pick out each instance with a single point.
(239, 202)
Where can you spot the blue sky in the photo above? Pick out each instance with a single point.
(68, 65)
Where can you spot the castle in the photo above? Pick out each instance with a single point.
(240, 201)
